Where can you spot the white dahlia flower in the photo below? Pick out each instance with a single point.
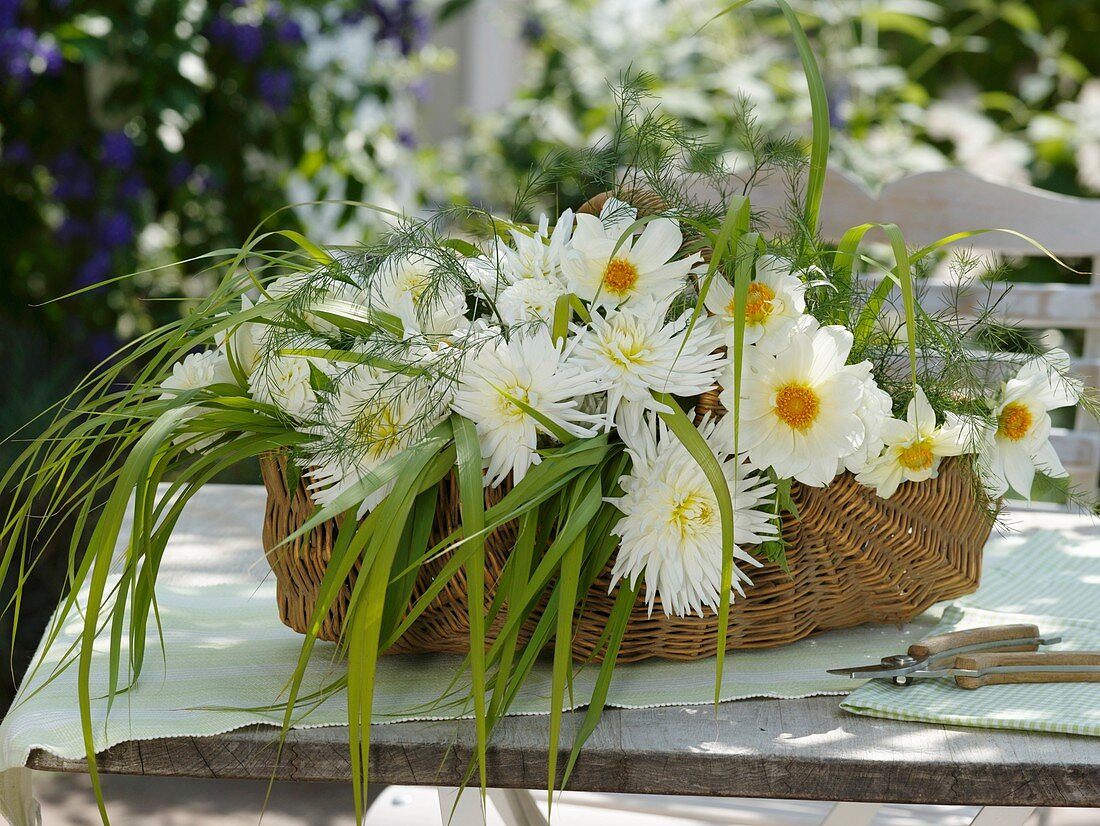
(532, 370)
(671, 530)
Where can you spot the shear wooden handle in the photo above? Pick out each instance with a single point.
(989, 636)
(1046, 659)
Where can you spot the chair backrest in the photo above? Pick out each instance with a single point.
(933, 205)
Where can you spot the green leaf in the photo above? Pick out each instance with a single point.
(472, 498)
(318, 380)
(563, 659)
(616, 626)
(819, 107)
(318, 254)
(692, 440)
(562, 315)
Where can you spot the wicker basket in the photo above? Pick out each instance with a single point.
(853, 558)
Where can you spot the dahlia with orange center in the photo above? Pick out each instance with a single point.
(798, 412)
(775, 302)
(1020, 443)
(916, 446)
(605, 263)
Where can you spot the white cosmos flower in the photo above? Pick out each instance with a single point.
(195, 372)
(671, 530)
(533, 370)
(529, 299)
(401, 288)
(777, 299)
(915, 447)
(798, 412)
(633, 352)
(640, 268)
(1021, 442)
(369, 417)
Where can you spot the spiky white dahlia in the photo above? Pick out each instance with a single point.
(370, 416)
(530, 369)
(671, 529)
(195, 372)
(634, 353)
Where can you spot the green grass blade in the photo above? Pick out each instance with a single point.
(616, 626)
(683, 429)
(472, 496)
(819, 107)
(563, 658)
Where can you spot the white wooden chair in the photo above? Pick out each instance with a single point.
(932, 205)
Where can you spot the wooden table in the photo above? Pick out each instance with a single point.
(800, 749)
(794, 749)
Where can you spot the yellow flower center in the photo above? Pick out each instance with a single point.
(414, 283)
(917, 456)
(759, 304)
(379, 429)
(1014, 422)
(506, 401)
(620, 277)
(691, 514)
(797, 405)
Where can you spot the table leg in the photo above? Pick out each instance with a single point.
(851, 814)
(517, 807)
(460, 807)
(1002, 816)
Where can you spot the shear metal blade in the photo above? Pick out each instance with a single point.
(871, 671)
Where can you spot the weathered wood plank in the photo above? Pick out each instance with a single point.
(798, 749)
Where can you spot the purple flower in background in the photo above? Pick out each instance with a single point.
(276, 87)
(220, 30)
(116, 229)
(51, 54)
(132, 186)
(9, 12)
(118, 150)
(71, 230)
(290, 31)
(17, 47)
(95, 269)
(101, 345)
(533, 29)
(248, 40)
(73, 177)
(400, 22)
(17, 153)
(406, 138)
(179, 173)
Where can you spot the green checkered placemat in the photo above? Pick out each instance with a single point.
(1051, 580)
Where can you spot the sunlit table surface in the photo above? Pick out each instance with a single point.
(799, 749)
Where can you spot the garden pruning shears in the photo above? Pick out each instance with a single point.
(984, 656)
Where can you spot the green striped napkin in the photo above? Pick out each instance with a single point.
(1051, 580)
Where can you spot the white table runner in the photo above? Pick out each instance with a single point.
(226, 649)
